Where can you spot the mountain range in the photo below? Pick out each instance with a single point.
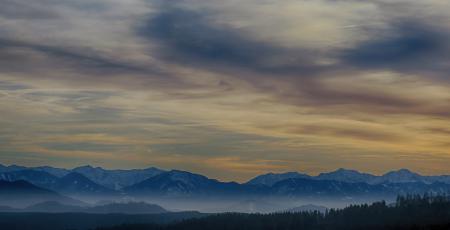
(185, 184)
(72, 183)
(21, 193)
(112, 179)
(158, 183)
(124, 208)
(353, 176)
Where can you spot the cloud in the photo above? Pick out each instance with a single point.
(372, 93)
(247, 85)
(409, 46)
(191, 37)
(356, 133)
(19, 56)
(20, 9)
(247, 166)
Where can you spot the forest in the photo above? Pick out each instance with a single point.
(409, 212)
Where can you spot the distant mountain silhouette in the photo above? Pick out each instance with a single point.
(77, 184)
(70, 184)
(270, 179)
(353, 176)
(181, 183)
(117, 179)
(127, 208)
(124, 208)
(21, 193)
(400, 176)
(38, 178)
(4, 208)
(11, 168)
(346, 175)
(112, 179)
(88, 181)
(53, 206)
(21, 187)
(58, 172)
(252, 206)
(297, 187)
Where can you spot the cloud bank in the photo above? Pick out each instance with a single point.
(230, 89)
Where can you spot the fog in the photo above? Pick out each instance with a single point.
(245, 204)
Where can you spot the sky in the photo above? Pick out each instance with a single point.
(229, 89)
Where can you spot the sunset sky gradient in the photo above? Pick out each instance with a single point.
(230, 89)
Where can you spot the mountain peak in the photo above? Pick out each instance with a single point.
(346, 175)
(343, 171)
(180, 172)
(3, 168)
(184, 175)
(270, 179)
(335, 172)
(346, 170)
(15, 167)
(403, 171)
(401, 176)
(77, 183)
(177, 183)
(85, 167)
(153, 168)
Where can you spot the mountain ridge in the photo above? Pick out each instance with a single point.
(394, 176)
(184, 184)
(123, 208)
(354, 176)
(20, 193)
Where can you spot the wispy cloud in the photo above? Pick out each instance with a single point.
(248, 86)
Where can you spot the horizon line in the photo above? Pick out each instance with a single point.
(193, 172)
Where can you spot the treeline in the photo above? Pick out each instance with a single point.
(408, 213)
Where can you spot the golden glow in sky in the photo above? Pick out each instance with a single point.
(230, 89)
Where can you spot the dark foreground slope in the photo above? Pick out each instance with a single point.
(410, 213)
(85, 221)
